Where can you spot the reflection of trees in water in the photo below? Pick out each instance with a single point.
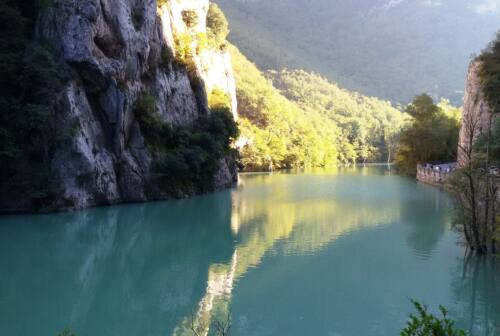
(144, 269)
(133, 269)
(425, 217)
(476, 291)
(303, 226)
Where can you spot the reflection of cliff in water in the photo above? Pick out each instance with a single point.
(302, 225)
(425, 232)
(477, 295)
(127, 270)
(148, 269)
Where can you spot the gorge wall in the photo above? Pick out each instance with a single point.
(115, 52)
(476, 116)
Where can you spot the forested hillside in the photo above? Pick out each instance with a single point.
(369, 126)
(388, 49)
(306, 121)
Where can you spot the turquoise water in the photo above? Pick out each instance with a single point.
(324, 253)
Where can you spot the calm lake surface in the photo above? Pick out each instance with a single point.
(324, 253)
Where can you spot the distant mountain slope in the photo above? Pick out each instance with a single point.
(305, 121)
(393, 49)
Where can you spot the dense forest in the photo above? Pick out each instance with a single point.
(369, 126)
(388, 49)
(275, 132)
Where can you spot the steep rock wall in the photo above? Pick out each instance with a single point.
(214, 66)
(476, 116)
(114, 51)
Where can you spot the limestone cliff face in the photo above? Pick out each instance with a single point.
(116, 50)
(213, 66)
(476, 116)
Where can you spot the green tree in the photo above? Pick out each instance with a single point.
(217, 26)
(363, 121)
(297, 119)
(489, 74)
(186, 157)
(432, 136)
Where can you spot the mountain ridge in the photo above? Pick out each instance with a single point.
(392, 50)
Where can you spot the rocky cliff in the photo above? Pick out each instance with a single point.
(476, 116)
(115, 52)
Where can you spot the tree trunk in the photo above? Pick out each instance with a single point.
(473, 199)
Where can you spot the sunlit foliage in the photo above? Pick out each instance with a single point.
(306, 121)
(368, 126)
(432, 136)
(277, 132)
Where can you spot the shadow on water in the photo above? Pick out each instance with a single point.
(126, 270)
(336, 252)
(428, 218)
(477, 295)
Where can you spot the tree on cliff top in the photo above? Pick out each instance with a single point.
(217, 26)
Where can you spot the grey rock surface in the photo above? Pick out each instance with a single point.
(113, 49)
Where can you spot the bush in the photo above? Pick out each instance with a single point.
(217, 26)
(186, 157)
(184, 48)
(219, 99)
(426, 324)
(145, 108)
(190, 18)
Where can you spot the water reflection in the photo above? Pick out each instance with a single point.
(126, 270)
(428, 217)
(272, 214)
(477, 295)
(284, 253)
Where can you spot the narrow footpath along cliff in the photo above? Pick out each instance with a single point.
(147, 105)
